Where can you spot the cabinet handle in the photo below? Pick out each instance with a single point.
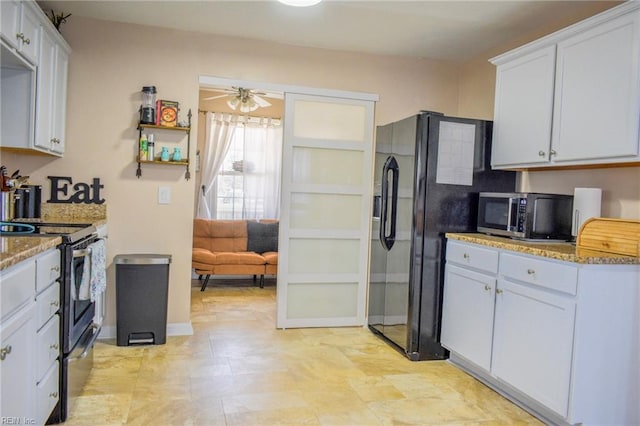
(498, 291)
(55, 303)
(541, 153)
(466, 256)
(4, 352)
(53, 395)
(487, 287)
(20, 36)
(531, 271)
(552, 152)
(54, 346)
(55, 268)
(55, 140)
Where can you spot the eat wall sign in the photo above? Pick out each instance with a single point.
(62, 191)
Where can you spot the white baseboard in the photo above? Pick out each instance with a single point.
(173, 329)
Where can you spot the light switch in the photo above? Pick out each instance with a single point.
(164, 195)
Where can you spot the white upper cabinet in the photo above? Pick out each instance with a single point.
(571, 98)
(51, 94)
(597, 97)
(521, 106)
(21, 27)
(35, 61)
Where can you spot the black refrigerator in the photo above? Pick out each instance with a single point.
(429, 169)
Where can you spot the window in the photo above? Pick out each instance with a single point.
(248, 185)
(230, 193)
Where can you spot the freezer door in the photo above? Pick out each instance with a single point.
(397, 230)
(378, 253)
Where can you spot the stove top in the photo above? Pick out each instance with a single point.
(70, 232)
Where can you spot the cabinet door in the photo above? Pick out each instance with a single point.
(60, 100)
(17, 379)
(10, 19)
(597, 92)
(533, 343)
(47, 394)
(467, 314)
(30, 30)
(523, 110)
(45, 92)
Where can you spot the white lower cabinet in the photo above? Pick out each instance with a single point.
(533, 342)
(30, 339)
(17, 345)
(467, 315)
(560, 338)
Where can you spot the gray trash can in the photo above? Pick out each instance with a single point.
(142, 287)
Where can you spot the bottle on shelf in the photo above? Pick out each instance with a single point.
(150, 148)
(144, 147)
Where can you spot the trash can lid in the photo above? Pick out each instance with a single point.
(142, 259)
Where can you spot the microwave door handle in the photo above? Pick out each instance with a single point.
(509, 217)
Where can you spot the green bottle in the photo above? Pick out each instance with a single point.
(144, 148)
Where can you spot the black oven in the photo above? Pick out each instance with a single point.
(78, 332)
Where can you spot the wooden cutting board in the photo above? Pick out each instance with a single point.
(621, 236)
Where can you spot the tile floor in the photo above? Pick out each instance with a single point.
(237, 369)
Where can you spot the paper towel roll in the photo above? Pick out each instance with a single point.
(587, 203)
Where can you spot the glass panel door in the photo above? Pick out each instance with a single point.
(325, 207)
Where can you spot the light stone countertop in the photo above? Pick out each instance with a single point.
(560, 251)
(16, 249)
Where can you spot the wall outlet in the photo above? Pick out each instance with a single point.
(164, 195)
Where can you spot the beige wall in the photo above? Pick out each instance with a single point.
(621, 186)
(109, 65)
(111, 62)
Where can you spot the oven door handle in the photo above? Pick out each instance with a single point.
(82, 253)
(87, 349)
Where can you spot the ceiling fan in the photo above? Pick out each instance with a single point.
(246, 100)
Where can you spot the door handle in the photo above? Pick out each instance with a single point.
(388, 239)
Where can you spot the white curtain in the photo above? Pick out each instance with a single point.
(263, 162)
(218, 135)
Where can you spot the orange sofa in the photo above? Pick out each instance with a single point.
(234, 247)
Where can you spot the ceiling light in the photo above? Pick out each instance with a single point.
(234, 102)
(300, 3)
(248, 106)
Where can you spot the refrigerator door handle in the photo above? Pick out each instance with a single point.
(384, 195)
(388, 239)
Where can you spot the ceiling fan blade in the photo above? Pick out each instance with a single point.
(210, 98)
(262, 102)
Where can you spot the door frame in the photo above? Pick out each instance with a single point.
(213, 81)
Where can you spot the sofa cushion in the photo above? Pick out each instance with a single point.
(271, 257)
(201, 255)
(238, 258)
(262, 237)
(220, 235)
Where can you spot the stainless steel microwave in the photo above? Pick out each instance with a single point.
(525, 215)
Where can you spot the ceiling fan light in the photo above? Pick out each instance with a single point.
(249, 106)
(300, 3)
(234, 102)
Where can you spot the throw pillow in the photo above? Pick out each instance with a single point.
(262, 237)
